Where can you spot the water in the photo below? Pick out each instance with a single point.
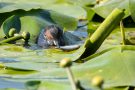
(11, 84)
(8, 60)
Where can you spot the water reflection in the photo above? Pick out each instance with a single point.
(10, 84)
(8, 60)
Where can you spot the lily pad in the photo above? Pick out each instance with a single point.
(104, 9)
(131, 8)
(19, 53)
(69, 10)
(11, 22)
(122, 57)
(34, 21)
(14, 51)
(10, 6)
(117, 68)
(78, 2)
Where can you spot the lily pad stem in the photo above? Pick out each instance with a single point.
(24, 35)
(67, 63)
(103, 31)
(11, 39)
(122, 33)
(71, 78)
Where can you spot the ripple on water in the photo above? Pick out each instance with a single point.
(8, 60)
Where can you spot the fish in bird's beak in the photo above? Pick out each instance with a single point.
(56, 43)
(53, 42)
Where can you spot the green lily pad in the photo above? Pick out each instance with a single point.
(10, 6)
(62, 8)
(117, 68)
(34, 21)
(11, 22)
(78, 2)
(118, 88)
(55, 85)
(90, 13)
(20, 53)
(31, 66)
(13, 51)
(131, 8)
(104, 9)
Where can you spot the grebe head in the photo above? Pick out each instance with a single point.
(53, 35)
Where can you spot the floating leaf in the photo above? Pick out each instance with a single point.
(132, 9)
(78, 2)
(10, 6)
(104, 9)
(71, 9)
(11, 22)
(121, 56)
(90, 13)
(34, 21)
(14, 51)
(117, 68)
(19, 53)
